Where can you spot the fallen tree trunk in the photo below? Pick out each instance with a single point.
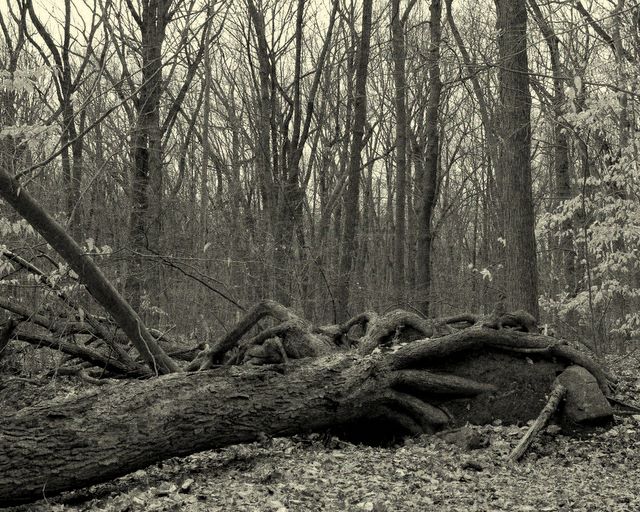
(474, 375)
(66, 444)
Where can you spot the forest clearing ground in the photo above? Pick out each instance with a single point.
(599, 472)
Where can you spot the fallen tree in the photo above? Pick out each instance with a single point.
(401, 371)
(477, 374)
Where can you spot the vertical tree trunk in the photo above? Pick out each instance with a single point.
(561, 172)
(514, 164)
(399, 79)
(206, 149)
(417, 155)
(430, 169)
(353, 184)
(146, 149)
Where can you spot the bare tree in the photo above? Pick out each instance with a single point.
(431, 165)
(68, 76)
(352, 195)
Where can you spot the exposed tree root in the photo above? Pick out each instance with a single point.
(299, 338)
(187, 412)
(294, 338)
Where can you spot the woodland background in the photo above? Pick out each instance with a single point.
(207, 154)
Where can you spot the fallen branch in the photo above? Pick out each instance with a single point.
(556, 396)
(91, 320)
(86, 354)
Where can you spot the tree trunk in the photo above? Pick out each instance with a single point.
(430, 169)
(400, 95)
(561, 171)
(352, 196)
(146, 149)
(515, 157)
(206, 148)
(105, 433)
(90, 275)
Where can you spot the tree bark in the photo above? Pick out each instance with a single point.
(352, 195)
(146, 147)
(430, 169)
(123, 427)
(514, 164)
(206, 146)
(400, 97)
(65, 444)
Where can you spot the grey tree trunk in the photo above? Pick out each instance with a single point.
(206, 147)
(352, 195)
(431, 163)
(146, 148)
(400, 97)
(514, 166)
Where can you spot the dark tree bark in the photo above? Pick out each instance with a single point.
(431, 164)
(150, 131)
(514, 166)
(146, 144)
(421, 387)
(352, 195)
(400, 97)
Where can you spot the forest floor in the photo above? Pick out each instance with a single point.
(598, 472)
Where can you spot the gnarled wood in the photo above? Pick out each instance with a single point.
(299, 338)
(99, 435)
